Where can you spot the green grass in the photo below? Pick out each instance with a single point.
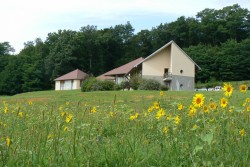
(41, 136)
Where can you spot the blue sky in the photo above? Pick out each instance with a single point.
(26, 20)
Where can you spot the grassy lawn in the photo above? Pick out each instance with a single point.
(124, 128)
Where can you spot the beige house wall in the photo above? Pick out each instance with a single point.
(181, 62)
(156, 64)
(57, 85)
(76, 84)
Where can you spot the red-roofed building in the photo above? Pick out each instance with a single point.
(119, 74)
(71, 80)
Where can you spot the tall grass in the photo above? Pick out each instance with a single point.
(119, 128)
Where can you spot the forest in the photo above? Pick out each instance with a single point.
(217, 40)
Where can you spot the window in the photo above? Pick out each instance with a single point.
(165, 70)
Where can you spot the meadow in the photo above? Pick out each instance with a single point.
(126, 128)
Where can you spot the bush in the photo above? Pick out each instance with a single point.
(125, 85)
(88, 84)
(103, 85)
(149, 84)
(118, 87)
(135, 82)
(164, 87)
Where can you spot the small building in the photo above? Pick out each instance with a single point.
(71, 80)
(119, 74)
(169, 65)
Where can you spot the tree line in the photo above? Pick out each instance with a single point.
(217, 40)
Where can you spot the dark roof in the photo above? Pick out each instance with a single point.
(124, 69)
(76, 74)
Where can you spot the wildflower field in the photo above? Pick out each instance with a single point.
(126, 128)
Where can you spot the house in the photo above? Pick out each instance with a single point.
(71, 80)
(120, 74)
(169, 65)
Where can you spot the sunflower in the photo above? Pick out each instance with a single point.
(228, 89)
(156, 105)
(165, 129)
(205, 109)
(69, 118)
(192, 111)
(177, 120)
(212, 106)
(243, 88)
(160, 113)
(223, 102)
(161, 93)
(180, 106)
(248, 108)
(198, 100)
(8, 141)
(242, 132)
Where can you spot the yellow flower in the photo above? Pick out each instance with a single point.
(8, 141)
(223, 102)
(205, 109)
(63, 114)
(180, 106)
(231, 109)
(198, 100)
(168, 117)
(160, 113)
(150, 109)
(20, 114)
(161, 93)
(132, 117)
(111, 114)
(65, 128)
(156, 105)
(49, 136)
(248, 108)
(192, 111)
(93, 110)
(195, 127)
(243, 88)
(242, 132)
(137, 115)
(177, 120)
(6, 109)
(69, 118)
(228, 89)
(60, 108)
(67, 103)
(212, 106)
(30, 102)
(165, 129)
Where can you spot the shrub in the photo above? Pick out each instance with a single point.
(103, 85)
(149, 84)
(88, 84)
(164, 87)
(125, 85)
(135, 82)
(118, 87)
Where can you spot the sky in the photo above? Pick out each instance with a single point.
(26, 20)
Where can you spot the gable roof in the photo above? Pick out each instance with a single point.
(104, 77)
(124, 69)
(76, 74)
(163, 47)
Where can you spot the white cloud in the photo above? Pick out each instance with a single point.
(25, 20)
